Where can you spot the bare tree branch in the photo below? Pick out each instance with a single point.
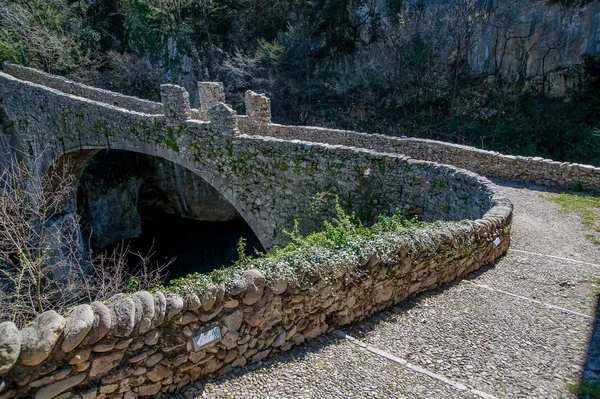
(43, 264)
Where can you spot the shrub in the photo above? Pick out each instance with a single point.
(43, 260)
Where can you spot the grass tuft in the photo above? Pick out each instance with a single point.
(586, 206)
(585, 388)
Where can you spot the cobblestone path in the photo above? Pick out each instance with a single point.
(518, 329)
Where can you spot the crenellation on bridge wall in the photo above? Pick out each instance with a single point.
(224, 119)
(210, 94)
(176, 103)
(258, 108)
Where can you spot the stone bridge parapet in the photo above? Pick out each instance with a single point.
(524, 169)
(149, 343)
(268, 180)
(81, 90)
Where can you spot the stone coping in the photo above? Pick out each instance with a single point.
(82, 90)
(145, 344)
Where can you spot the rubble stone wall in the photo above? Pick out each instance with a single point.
(534, 170)
(143, 344)
(146, 343)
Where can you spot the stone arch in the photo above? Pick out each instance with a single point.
(80, 156)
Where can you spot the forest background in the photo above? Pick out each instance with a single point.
(519, 77)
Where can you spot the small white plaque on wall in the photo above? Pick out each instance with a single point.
(206, 338)
(497, 241)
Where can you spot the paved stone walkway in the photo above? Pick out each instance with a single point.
(517, 329)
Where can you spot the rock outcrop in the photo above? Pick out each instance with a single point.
(118, 188)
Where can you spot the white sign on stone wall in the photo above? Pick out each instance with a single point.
(206, 338)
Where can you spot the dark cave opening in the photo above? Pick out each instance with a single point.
(153, 205)
(196, 246)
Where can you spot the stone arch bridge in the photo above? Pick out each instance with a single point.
(268, 172)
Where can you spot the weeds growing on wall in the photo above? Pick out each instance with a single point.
(341, 246)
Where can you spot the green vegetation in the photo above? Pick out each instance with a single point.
(585, 388)
(338, 248)
(53, 35)
(323, 62)
(596, 281)
(170, 140)
(11, 48)
(586, 206)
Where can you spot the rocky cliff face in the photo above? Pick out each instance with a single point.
(544, 42)
(172, 189)
(540, 40)
(110, 211)
(119, 189)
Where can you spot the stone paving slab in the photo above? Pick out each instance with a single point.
(326, 368)
(557, 282)
(501, 345)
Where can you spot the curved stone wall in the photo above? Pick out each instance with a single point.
(147, 343)
(144, 344)
(487, 163)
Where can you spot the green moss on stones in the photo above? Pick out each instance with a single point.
(170, 140)
(99, 128)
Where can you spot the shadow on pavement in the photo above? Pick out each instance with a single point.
(589, 384)
(197, 388)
